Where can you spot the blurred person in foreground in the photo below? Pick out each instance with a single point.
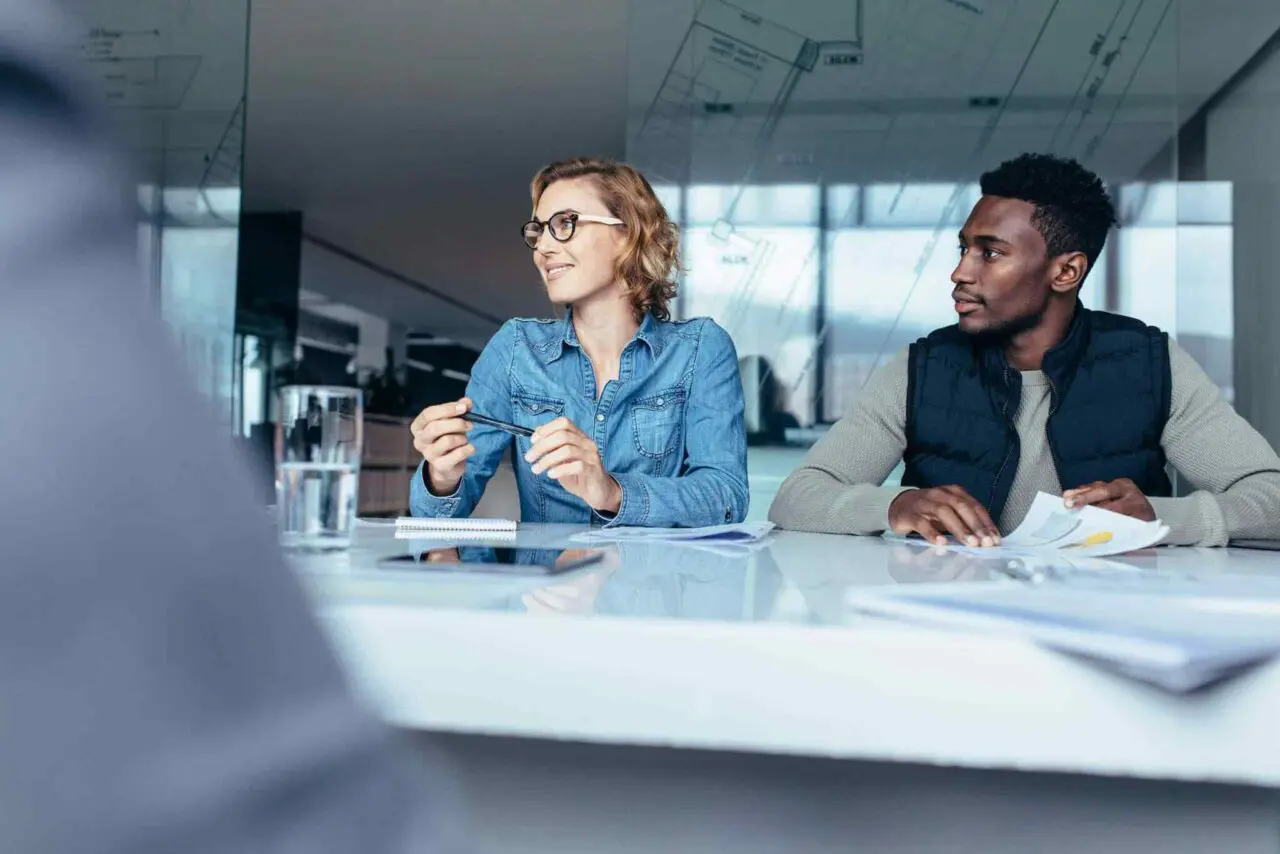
(638, 419)
(162, 684)
(1032, 392)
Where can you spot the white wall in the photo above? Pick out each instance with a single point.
(375, 331)
(1243, 146)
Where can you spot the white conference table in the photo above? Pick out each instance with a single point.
(672, 698)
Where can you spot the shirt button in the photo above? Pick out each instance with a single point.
(600, 417)
(660, 402)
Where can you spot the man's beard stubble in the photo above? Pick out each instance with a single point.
(1007, 330)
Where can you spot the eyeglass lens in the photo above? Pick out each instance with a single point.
(561, 229)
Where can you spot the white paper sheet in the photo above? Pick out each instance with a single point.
(1053, 530)
(745, 535)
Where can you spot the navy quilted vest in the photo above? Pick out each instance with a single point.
(1110, 397)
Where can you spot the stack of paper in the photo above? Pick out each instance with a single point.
(1053, 529)
(1179, 641)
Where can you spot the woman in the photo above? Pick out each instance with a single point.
(637, 419)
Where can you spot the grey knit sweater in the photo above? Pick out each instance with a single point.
(838, 490)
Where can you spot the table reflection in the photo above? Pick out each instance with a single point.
(930, 565)
(661, 580)
(790, 577)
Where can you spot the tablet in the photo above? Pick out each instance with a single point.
(504, 560)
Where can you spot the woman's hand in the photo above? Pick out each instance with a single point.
(568, 456)
(440, 435)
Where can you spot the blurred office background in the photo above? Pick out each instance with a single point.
(330, 192)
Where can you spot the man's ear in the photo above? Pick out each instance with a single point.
(1068, 271)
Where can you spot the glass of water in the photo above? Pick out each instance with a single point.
(318, 440)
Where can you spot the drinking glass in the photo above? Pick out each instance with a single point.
(317, 449)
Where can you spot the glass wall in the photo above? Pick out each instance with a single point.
(756, 271)
(884, 254)
(822, 157)
(172, 73)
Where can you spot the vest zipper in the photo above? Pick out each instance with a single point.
(1004, 412)
(1053, 407)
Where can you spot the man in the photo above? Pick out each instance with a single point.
(1031, 392)
(163, 686)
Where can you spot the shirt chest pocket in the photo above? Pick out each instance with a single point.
(657, 422)
(532, 411)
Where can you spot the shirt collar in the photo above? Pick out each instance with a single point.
(650, 332)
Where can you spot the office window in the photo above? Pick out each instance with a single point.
(890, 255)
(751, 260)
(885, 288)
(196, 265)
(824, 306)
(671, 198)
(1175, 252)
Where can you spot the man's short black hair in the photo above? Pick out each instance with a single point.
(1073, 211)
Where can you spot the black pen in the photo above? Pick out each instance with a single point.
(513, 429)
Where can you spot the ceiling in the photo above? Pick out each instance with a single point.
(407, 132)
(172, 75)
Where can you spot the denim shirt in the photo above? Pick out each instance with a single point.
(670, 429)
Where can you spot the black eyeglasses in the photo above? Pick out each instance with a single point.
(562, 225)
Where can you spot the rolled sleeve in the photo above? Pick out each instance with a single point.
(634, 509)
(423, 503)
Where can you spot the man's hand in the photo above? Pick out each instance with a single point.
(569, 456)
(934, 513)
(1118, 496)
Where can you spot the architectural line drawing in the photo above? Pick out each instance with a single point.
(741, 84)
(728, 57)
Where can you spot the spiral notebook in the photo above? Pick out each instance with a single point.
(423, 527)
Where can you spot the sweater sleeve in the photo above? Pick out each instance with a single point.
(1235, 471)
(838, 488)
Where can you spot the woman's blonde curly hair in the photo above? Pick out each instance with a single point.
(650, 258)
